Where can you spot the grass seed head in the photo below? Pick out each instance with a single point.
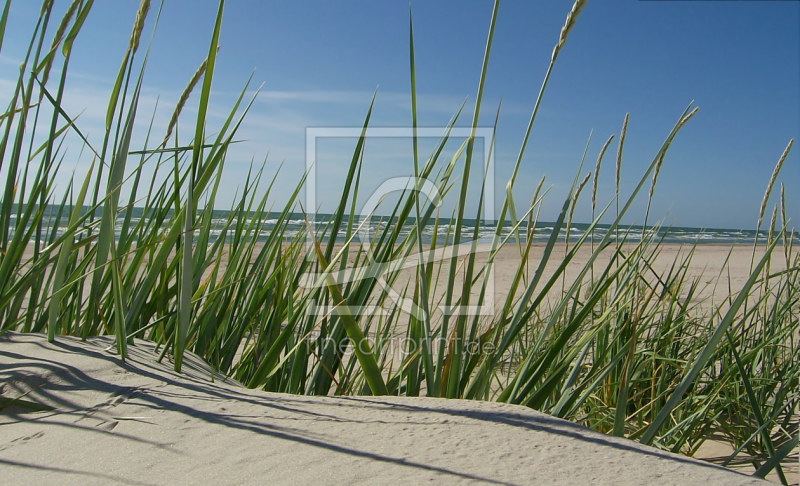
(771, 183)
(581, 186)
(783, 205)
(572, 17)
(572, 207)
(597, 171)
(138, 25)
(657, 169)
(185, 97)
(688, 117)
(771, 234)
(65, 20)
(619, 150)
(46, 5)
(655, 176)
(576, 196)
(62, 27)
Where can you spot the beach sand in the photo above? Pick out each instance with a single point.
(719, 268)
(140, 423)
(414, 439)
(715, 266)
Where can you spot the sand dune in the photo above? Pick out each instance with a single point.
(141, 423)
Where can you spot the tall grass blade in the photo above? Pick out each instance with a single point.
(63, 258)
(3, 22)
(707, 352)
(187, 270)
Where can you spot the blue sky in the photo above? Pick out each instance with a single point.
(320, 62)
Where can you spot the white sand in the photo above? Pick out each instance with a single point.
(719, 269)
(141, 423)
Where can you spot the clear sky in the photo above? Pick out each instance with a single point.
(320, 62)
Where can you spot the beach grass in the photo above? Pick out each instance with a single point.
(621, 348)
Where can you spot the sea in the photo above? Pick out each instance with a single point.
(444, 229)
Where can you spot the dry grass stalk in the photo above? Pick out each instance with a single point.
(62, 27)
(185, 97)
(581, 186)
(655, 177)
(688, 117)
(657, 169)
(771, 183)
(770, 239)
(783, 225)
(597, 172)
(538, 189)
(619, 150)
(773, 220)
(572, 17)
(530, 227)
(572, 206)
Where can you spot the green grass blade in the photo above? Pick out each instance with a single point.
(187, 270)
(776, 459)
(706, 353)
(119, 310)
(3, 21)
(63, 257)
(66, 48)
(455, 367)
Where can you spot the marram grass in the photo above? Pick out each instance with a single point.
(622, 352)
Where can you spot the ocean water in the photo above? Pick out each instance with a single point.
(444, 229)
